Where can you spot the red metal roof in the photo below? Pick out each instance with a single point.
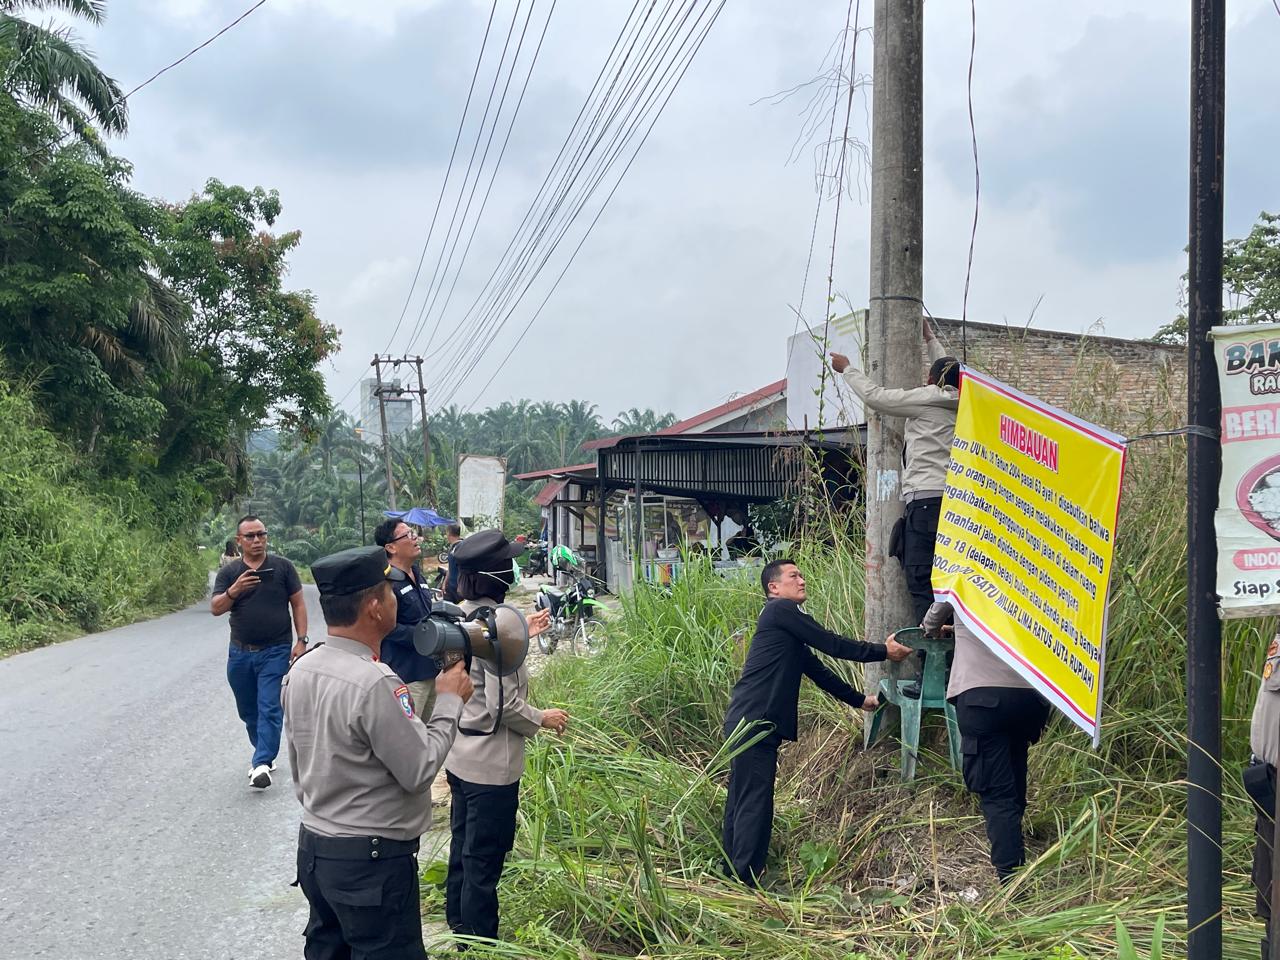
(715, 413)
(583, 468)
(548, 493)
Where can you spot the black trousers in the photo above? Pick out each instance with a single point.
(363, 893)
(483, 824)
(748, 810)
(919, 532)
(997, 725)
(1260, 783)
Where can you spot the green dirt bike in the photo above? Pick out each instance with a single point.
(574, 610)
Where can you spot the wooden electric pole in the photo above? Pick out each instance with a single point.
(894, 337)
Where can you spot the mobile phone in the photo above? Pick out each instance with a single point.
(265, 573)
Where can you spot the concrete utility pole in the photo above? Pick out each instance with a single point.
(429, 484)
(386, 440)
(894, 336)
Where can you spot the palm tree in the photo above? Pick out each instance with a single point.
(636, 422)
(47, 67)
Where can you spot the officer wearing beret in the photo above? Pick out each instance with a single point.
(362, 768)
(487, 760)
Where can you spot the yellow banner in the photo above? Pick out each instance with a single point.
(1026, 539)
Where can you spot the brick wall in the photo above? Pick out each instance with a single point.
(1127, 385)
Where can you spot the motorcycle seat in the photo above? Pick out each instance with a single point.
(555, 592)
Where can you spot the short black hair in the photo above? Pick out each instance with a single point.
(230, 549)
(385, 532)
(945, 372)
(343, 609)
(453, 530)
(245, 519)
(772, 572)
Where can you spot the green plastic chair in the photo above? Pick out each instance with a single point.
(933, 696)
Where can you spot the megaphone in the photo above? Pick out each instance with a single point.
(498, 635)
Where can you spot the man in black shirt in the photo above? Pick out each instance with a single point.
(769, 691)
(260, 590)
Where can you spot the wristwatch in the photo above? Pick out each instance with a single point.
(303, 639)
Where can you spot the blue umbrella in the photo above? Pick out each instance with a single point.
(420, 517)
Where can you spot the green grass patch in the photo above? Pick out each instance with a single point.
(618, 848)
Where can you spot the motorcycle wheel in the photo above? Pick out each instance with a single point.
(592, 634)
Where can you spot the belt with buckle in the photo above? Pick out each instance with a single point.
(355, 848)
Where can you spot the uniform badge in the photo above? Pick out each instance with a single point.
(406, 701)
(1266, 671)
(1274, 648)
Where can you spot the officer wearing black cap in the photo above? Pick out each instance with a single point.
(362, 768)
(487, 760)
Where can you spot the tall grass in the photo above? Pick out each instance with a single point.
(618, 849)
(75, 558)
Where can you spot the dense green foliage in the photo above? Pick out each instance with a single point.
(1250, 280)
(79, 554)
(141, 342)
(308, 490)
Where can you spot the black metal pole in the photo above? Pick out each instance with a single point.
(1204, 467)
(360, 473)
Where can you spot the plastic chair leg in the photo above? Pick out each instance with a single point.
(953, 736)
(910, 734)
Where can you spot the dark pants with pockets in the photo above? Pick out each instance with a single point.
(483, 824)
(997, 725)
(363, 893)
(255, 677)
(748, 810)
(1260, 783)
(919, 532)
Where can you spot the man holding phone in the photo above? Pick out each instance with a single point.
(260, 590)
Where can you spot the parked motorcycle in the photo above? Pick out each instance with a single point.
(574, 610)
(536, 561)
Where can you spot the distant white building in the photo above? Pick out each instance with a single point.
(399, 409)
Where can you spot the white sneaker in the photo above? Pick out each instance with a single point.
(260, 776)
(252, 768)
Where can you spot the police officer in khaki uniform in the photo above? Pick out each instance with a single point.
(362, 768)
(487, 759)
(1260, 780)
(1000, 716)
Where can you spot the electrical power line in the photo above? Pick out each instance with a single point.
(487, 291)
(462, 122)
(684, 68)
(121, 100)
(471, 163)
(624, 133)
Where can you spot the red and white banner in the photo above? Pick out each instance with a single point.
(1248, 516)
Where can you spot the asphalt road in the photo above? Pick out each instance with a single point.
(128, 829)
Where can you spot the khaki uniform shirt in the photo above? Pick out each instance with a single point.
(974, 664)
(499, 759)
(930, 412)
(362, 761)
(1264, 730)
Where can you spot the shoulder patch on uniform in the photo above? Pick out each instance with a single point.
(406, 701)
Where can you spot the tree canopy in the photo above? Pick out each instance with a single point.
(1250, 280)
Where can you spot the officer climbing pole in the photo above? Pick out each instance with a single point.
(893, 339)
(1204, 464)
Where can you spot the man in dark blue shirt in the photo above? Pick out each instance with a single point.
(413, 603)
(769, 691)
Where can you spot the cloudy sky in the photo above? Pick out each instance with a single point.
(685, 292)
